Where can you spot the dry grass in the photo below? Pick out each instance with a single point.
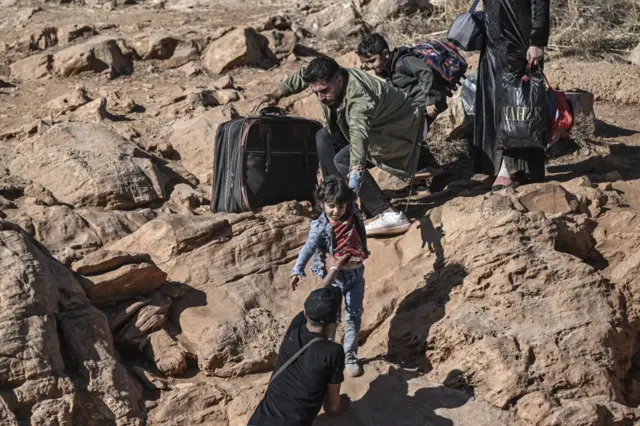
(586, 28)
(592, 28)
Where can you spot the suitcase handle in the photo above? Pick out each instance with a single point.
(274, 110)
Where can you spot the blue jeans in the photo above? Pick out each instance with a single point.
(351, 282)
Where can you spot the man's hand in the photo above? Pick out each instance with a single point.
(295, 280)
(535, 56)
(432, 111)
(270, 99)
(337, 262)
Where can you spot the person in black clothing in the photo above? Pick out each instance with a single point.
(422, 85)
(517, 31)
(295, 396)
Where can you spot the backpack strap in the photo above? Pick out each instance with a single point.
(294, 357)
(474, 6)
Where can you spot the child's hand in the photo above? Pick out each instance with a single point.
(295, 280)
(432, 111)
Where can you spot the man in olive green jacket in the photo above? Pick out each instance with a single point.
(368, 121)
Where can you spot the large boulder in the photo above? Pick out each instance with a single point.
(111, 276)
(240, 47)
(562, 338)
(68, 366)
(32, 68)
(195, 403)
(90, 165)
(236, 266)
(334, 21)
(71, 234)
(101, 54)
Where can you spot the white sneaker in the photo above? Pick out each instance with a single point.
(388, 223)
(354, 369)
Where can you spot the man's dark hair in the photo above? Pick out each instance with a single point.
(373, 44)
(333, 190)
(321, 69)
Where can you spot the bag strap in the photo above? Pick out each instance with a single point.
(294, 357)
(474, 6)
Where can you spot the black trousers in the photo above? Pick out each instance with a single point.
(333, 151)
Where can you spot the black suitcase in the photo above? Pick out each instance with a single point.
(265, 160)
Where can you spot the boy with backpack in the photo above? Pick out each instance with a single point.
(409, 69)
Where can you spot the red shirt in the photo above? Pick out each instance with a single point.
(346, 239)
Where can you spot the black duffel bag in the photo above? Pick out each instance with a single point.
(524, 111)
(468, 29)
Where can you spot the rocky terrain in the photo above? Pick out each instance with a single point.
(125, 301)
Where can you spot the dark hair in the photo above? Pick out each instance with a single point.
(332, 190)
(321, 69)
(373, 44)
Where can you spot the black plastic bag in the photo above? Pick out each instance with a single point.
(467, 30)
(524, 111)
(468, 93)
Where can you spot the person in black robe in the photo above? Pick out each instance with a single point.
(517, 31)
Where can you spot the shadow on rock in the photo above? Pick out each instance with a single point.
(389, 401)
(416, 314)
(622, 163)
(192, 298)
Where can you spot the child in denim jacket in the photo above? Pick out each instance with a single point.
(338, 230)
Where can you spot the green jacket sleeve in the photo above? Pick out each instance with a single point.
(417, 68)
(294, 84)
(359, 113)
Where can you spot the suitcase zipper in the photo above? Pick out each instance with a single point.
(268, 162)
(232, 176)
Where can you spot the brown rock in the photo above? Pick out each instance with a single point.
(41, 40)
(224, 82)
(125, 281)
(102, 261)
(43, 309)
(199, 403)
(184, 199)
(218, 354)
(60, 229)
(281, 43)
(149, 380)
(160, 46)
(69, 102)
(254, 253)
(564, 319)
(334, 21)
(349, 60)
(72, 32)
(112, 173)
(308, 107)
(551, 199)
(92, 112)
(191, 69)
(191, 138)
(32, 68)
(148, 319)
(101, 54)
(166, 353)
(240, 47)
